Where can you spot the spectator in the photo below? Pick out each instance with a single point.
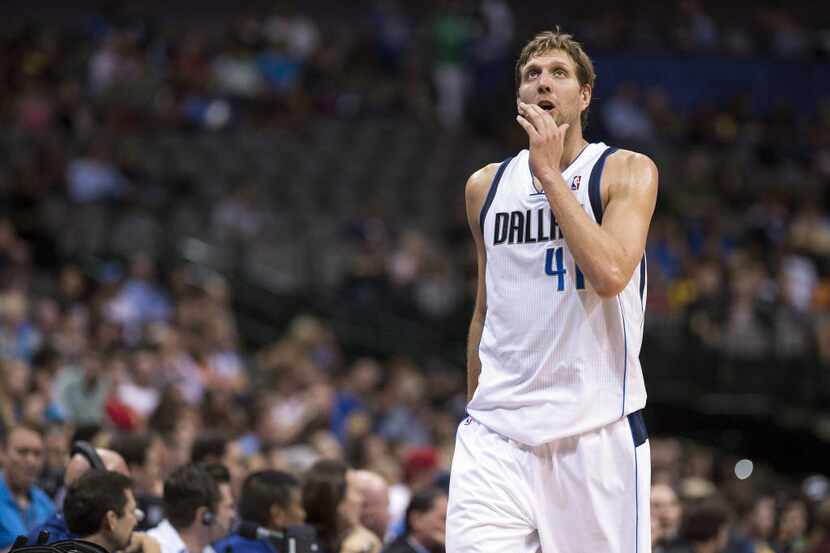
(198, 513)
(56, 446)
(142, 452)
(216, 447)
(822, 542)
(77, 466)
(792, 527)
(19, 338)
(625, 117)
(84, 391)
(23, 505)
(101, 509)
(425, 524)
(332, 505)
(757, 521)
(705, 529)
(270, 499)
(666, 515)
(374, 511)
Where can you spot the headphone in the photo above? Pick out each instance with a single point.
(208, 518)
(84, 448)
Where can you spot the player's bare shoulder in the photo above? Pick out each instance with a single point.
(475, 192)
(629, 173)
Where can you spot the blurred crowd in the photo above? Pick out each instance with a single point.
(165, 490)
(123, 133)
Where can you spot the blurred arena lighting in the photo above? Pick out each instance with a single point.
(194, 250)
(743, 469)
(217, 114)
(816, 487)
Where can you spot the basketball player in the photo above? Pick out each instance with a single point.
(554, 455)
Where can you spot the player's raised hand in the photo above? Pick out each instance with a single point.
(547, 139)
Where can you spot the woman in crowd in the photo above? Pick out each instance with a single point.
(332, 504)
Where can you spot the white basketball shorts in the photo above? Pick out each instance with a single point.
(582, 494)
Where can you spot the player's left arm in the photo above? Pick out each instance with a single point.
(607, 254)
(609, 258)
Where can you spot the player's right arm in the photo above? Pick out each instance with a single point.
(478, 185)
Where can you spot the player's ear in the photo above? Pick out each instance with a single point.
(112, 520)
(585, 94)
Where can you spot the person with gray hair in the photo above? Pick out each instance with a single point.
(374, 509)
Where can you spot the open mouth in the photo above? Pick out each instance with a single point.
(546, 105)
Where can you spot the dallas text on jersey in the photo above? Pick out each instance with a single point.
(517, 227)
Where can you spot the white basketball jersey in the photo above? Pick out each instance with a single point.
(556, 358)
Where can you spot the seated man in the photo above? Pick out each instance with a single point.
(199, 511)
(374, 511)
(23, 506)
(425, 524)
(100, 508)
(271, 500)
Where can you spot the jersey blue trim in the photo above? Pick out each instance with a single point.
(625, 354)
(639, 432)
(594, 193)
(491, 194)
(643, 277)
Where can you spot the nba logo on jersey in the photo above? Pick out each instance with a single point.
(575, 182)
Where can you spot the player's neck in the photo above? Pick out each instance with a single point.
(574, 144)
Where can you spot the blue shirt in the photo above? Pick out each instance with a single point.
(56, 526)
(14, 521)
(238, 544)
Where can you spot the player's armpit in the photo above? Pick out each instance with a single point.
(629, 183)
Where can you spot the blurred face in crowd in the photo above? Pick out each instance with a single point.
(793, 522)
(763, 517)
(374, 512)
(234, 459)
(57, 449)
(224, 512)
(24, 458)
(292, 515)
(349, 507)
(429, 527)
(551, 77)
(148, 476)
(122, 525)
(666, 512)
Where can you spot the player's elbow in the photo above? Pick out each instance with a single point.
(610, 283)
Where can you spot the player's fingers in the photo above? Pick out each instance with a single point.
(528, 127)
(526, 110)
(543, 116)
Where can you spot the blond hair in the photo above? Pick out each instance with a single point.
(557, 40)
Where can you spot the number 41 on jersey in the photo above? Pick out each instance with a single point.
(555, 267)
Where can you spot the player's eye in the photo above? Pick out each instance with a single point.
(532, 73)
(560, 73)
